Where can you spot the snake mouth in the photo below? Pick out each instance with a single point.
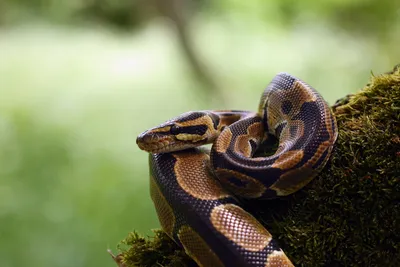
(160, 143)
(153, 143)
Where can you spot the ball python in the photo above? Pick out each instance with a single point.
(196, 192)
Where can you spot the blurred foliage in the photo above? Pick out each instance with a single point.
(360, 15)
(122, 14)
(52, 201)
(363, 16)
(80, 79)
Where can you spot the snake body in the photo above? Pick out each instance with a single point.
(195, 192)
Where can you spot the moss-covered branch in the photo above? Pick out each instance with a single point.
(349, 215)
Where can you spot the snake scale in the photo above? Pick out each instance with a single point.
(196, 192)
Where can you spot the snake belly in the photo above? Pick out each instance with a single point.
(194, 192)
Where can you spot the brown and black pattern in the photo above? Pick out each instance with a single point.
(302, 121)
(194, 192)
(208, 220)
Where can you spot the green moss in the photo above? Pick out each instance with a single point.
(350, 214)
(156, 251)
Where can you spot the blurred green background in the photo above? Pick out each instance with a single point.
(80, 79)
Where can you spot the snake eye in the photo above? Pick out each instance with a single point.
(175, 129)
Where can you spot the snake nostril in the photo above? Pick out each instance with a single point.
(142, 138)
(145, 138)
(139, 139)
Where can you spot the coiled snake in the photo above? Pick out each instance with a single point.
(195, 193)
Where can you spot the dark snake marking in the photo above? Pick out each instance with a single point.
(195, 191)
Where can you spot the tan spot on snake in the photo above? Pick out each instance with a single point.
(240, 227)
(303, 93)
(197, 248)
(242, 143)
(203, 120)
(195, 178)
(288, 160)
(164, 211)
(252, 188)
(278, 259)
(329, 120)
(293, 180)
(223, 141)
(161, 130)
(229, 119)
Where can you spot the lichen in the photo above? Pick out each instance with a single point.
(347, 216)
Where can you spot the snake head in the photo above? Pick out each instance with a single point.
(188, 130)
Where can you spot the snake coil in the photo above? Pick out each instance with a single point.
(195, 192)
